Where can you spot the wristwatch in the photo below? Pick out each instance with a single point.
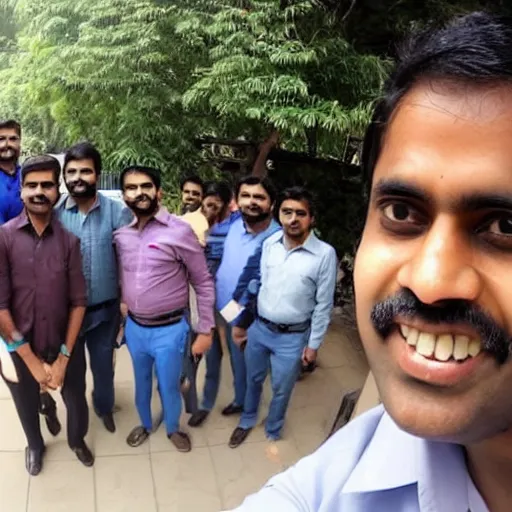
(64, 351)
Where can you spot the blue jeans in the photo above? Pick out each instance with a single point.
(100, 333)
(162, 347)
(213, 367)
(282, 354)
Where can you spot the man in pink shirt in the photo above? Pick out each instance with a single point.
(159, 257)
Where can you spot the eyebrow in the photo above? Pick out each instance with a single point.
(466, 203)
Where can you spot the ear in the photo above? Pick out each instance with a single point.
(159, 194)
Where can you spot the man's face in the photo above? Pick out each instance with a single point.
(212, 208)
(10, 145)
(140, 194)
(191, 196)
(39, 192)
(295, 219)
(81, 178)
(254, 203)
(439, 234)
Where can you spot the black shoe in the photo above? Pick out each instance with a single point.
(197, 419)
(238, 436)
(232, 409)
(34, 461)
(108, 422)
(53, 423)
(84, 455)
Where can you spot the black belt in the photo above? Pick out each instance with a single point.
(285, 328)
(158, 321)
(101, 305)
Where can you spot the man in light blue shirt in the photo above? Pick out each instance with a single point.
(294, 305)
(256, 198)
(93, 218)
(432, 284)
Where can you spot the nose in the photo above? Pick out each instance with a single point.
(442, 268)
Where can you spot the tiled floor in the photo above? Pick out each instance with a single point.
(155, 477)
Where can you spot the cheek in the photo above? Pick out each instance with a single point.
(375, 274)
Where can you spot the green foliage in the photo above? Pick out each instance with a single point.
(283, 67)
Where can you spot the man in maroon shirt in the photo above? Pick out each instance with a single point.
(42, 305)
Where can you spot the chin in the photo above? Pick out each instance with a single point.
(454, 419)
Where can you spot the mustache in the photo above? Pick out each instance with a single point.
(40, 199)
(142, 197)
(76, 183)
(494, 338)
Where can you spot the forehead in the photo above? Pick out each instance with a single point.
(257, 190)
(452, 141)
(7, 132)
(213, 199)
(39, 177)
(137, 178)
(190, 185)
(86, 163)
(293, 204)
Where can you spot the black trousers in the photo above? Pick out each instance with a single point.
(27, 399)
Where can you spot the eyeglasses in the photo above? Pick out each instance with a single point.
(13, 138)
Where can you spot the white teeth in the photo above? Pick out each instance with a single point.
(460, 348)
(412, 337)
(426, 344)
(474, 348)
(404, 329)
(444, 347)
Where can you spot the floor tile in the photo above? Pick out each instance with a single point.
(14, 482)
(106, 444)
(185, 482)
(244, 470)
(61, 487)
(12, 438)
(124, 484)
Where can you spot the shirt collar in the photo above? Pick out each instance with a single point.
(161, 216)
(311, 244)
(395, 459)
(71, 203)
(22, 221)
(16, 172)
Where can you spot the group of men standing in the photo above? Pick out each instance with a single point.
(222, 274)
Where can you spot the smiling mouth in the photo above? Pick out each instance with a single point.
(441, 347)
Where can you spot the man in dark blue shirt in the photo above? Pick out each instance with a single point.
(10, 143)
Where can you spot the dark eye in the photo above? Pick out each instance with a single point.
(398, 212)
(501, 227)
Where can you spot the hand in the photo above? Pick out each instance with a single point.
(38, 371)
(308, 356)
(124, 310)
(58, 372)
(201, 344)
(239, 335)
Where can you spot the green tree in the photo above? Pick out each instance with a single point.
(282, 65)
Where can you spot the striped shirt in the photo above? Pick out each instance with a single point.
(95, 230)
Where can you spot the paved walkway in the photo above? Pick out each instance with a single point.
(155, 477)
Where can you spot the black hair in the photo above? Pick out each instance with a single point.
(298, 193)
(84, 151)
(192, 178)
(219, 188)
(10, 124)
(41, 163)
(254, 180)
(151, 172)
(471, 49)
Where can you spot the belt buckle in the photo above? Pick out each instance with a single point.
(283, 328)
